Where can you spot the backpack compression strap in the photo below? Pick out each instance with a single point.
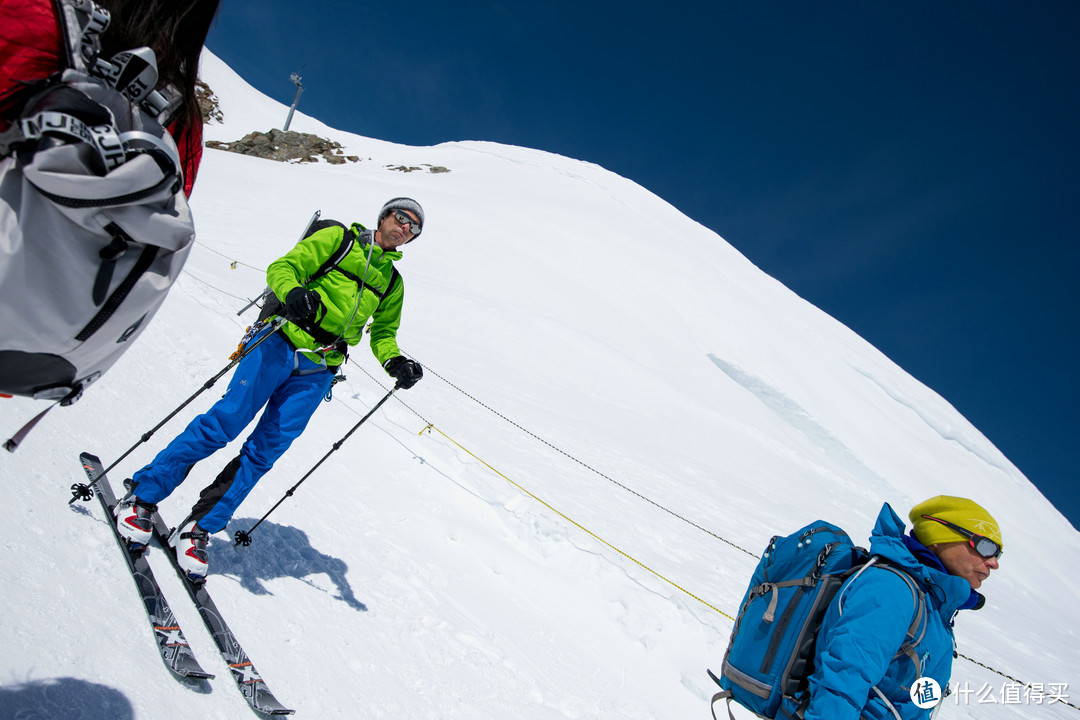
(82, 22)
(381, 293)
(133, 73)
(722, 695)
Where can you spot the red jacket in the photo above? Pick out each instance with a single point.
(31, 49)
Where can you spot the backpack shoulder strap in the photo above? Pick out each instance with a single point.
(395, 276)
(917, 629)
(348, 239)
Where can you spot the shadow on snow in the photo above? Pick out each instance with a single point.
(277, 551)
(64, 698)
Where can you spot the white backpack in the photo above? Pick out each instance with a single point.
(94, 224)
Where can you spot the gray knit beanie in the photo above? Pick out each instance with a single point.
(402, 203)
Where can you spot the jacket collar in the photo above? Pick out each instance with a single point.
(367, 237)
(951, 593)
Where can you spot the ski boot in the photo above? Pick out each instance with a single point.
(133, 521)
(189, 542)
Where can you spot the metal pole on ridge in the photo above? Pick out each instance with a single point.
(244, 538)
(296, 78)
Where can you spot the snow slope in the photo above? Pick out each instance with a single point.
(618, 412)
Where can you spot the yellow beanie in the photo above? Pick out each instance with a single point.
(968, 514)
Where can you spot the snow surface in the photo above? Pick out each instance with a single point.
(624, 410)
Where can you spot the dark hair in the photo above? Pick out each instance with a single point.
(175, 30)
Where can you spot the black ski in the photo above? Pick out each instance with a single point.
(249, 682)
(173, 647)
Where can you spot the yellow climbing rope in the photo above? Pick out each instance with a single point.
(631, 558)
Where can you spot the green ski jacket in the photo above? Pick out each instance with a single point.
(346, 305)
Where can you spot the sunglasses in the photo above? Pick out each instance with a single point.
(983, 545)
(403, 219)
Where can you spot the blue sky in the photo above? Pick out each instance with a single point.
(910, 168)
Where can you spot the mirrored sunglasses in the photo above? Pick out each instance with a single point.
(983, 545)
(403, 219)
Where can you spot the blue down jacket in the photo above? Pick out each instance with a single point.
(856, 650)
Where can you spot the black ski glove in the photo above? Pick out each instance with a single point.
(301, 303)
(405, 370)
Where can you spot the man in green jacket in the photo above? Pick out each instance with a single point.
(288, 374)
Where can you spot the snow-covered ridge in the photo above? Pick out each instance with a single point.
(410, 576)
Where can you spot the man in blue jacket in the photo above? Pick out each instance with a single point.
(858, 672)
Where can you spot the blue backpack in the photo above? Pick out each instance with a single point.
(771, 651)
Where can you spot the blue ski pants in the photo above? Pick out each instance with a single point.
(273, 375)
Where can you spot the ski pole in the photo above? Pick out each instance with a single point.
(261, 296)
(80, 491)
(244, 538)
